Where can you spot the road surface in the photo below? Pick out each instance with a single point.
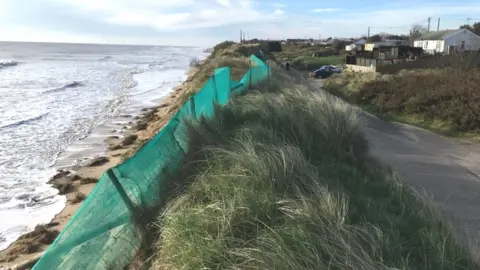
(442, 169)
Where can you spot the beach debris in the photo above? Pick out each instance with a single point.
(31, 242)
(115, 147)
(98, 161)
(141, 126)
(88, 180)
(60, 174)
(63, 187)
(76, 197)
(129, 139)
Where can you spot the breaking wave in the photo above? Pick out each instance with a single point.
(8, 64)
(24, 121)
(73, 84)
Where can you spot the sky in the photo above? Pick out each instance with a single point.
(207, 22)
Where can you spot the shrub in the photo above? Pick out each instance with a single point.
(449, 95)
(194, 62)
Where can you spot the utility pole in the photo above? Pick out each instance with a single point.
(438, 25)
(429, 24)
(368, 33)
(241, 36)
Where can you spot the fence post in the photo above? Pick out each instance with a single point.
(215, 87)
(121, 190)
(249, 79)
(192, 107)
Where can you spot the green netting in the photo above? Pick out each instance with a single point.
(101, 234)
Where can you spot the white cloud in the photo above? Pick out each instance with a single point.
(396, 20)
(319, 10)
(224, 3)
(278, 12)
(146, 21)
(165, 15)
(277, 5)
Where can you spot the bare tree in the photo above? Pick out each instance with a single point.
(475, 28)
(416, 32)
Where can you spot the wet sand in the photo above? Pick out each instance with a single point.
(77, 182)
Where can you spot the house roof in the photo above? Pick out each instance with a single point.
(360, 42)
(439, 35)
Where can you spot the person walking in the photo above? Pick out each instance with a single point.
(287, 66)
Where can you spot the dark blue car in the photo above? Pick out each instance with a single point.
(325, 71)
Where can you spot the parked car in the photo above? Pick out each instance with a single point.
(325, 71)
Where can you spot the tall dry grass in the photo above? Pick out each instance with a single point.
(450, 96)
(281, 178)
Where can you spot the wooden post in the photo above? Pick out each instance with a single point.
(121, 190)
(215, 89)
(250, 79)
(192, 107)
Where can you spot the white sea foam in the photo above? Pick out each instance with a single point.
(54, 106)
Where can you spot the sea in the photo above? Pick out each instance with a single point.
(58, 102)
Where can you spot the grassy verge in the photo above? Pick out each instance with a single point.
(281, 178)
(310, 63)
(443, 100)
(291, 51)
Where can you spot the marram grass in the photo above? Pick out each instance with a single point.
(281, 178)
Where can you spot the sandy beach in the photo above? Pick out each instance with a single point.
(77, 182)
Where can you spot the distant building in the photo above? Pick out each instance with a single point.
(355, 45)
(386, 42)
(299, 41)
(448, 41)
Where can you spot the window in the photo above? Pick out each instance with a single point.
(425, 45)
(462, 47)
(439, 45)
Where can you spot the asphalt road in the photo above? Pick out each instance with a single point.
(441, 169)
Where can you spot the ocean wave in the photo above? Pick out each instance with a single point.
(108, 57)
(24, 121)
(148, 91)
(8, 64)
(73, 84)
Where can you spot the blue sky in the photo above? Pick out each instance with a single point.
(206, 22)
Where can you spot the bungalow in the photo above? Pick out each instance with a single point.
(356, 44)
(385, 42)
(448, 41)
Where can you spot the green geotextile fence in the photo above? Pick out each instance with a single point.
(101, 234)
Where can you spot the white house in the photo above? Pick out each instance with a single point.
(385, 42)
(448, 41)
(355, 44)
